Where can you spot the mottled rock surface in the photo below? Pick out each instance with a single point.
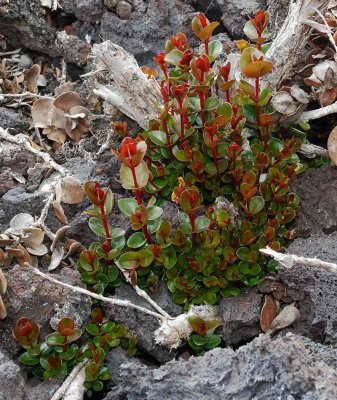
(28, 295)
(11, 378)
(241, 316)
(143, 324)
(287, 367)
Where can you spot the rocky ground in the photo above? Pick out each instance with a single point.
(300, 362)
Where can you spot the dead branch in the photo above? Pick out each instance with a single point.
(319, 113)
(312, 149)
(287, 47)
(127, 87)
(118, 302)
(291, 260)
(24, 142)
(75, 378)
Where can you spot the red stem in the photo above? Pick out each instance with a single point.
(168, 138)
(206, 47)
(228, 97)
(182, 123)
(139, 201)
(215, 157)
(192, 220)
(202, 105)
(257, 108)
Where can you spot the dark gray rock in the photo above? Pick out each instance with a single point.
(114, 359)
(10, 120)
(11, 378)
(235, 14)
(17, 201)
(241, 316)
(148, 27)
(142, 324)
(316, 188)
(23, 24)
(287, 368)
(89, 10)
(42, 390)
(29, 295)
(315, 291)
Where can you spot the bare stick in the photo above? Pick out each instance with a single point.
(143, 294)
(312, 149)
(117, 302)
(319, 113)
(22, 95)
(24, 142)
(290, 260)
(72, 376)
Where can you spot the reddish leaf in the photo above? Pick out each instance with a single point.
(268, 313)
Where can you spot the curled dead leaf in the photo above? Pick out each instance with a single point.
(3, 312)
(19, 222)
(69, 190)
(268, 313)
(3, 283)
(33, 237)
(67, 100)
(332, 146)
(38, 251)
(56, 257)
(284, 103)
(286, 318)
(31, 78)
(58, 236)
(59, 212)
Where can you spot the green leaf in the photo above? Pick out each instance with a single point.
(181, 156)
(109, 202)
(127, 206)
(29, 359)
(174, 57)
(212, 341)
(201, 223)
(92, 329)
(159, 138)
(136, 240)
(194, 103)
(180, 297)
(129, 260)
(256, 205)
(215, 48)
(142, 176)
(211, 103)
(154, 212)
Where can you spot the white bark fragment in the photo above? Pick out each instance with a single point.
(291, 260)
(173, 331)
(125, 86)
(291, 39)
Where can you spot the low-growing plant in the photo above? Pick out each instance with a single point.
(203, 338)
(217, 150)
(57, 355)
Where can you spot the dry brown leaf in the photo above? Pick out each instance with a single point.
(56, 258)
(332, 146)
(268, 313)
(55, 134)
(67, 100)
(69, 190)
(31, 78)
(59, 212)
(3, 312)
(3, 283)
(33, 237)
(38, 251)
(286, 317)
(20, 221)
(58, 236)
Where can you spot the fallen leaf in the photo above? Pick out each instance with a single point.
(332, 146)
(59, 212)
(39, 251)
(268, 313)
(33, 237)
(3, 283)
(69, 190)
(3, 312)
(56, 258)
(19, 222)
(286, 317)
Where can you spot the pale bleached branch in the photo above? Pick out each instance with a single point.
(291, 260)
(24, 142)
(319, 113)
(75, 379)
(117, 302)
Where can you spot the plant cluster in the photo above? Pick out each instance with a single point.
(58, 354)
(203, 337)
(217, 151)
